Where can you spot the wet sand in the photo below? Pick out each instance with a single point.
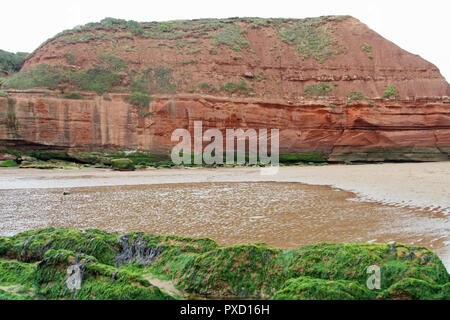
(421, 185)
(406, 203)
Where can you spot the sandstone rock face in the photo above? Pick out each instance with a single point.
(273, 58)
(388, 130)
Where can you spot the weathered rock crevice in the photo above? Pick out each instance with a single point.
(136, 250)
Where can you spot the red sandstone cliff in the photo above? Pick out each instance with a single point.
(273, 61)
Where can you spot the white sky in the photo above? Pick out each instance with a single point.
(421, 27)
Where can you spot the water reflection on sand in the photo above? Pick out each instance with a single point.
(284, 215)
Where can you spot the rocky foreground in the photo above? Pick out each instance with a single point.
(92, 264)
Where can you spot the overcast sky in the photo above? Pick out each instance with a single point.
(418, 26)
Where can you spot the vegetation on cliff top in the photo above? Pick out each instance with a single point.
(92, 264)
(310, 38)
(113, 71)
(227, 30)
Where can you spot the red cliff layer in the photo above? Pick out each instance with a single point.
(403, 130)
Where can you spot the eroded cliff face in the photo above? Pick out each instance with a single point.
(282, 63)
(415, 130)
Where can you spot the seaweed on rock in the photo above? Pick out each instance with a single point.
(92, 264)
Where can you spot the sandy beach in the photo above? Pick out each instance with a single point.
(31, 198)
(421, 185)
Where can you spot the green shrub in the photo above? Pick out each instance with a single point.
(111, 62)
(135, 27)
(232, 87)
(230, 35)
(70, 57)
(163, 81)
(357, 96)
(203, 85)
(165, 27)
(96, 79)
(311, 39)
(12, 62)
(100, 78)
(229, 87)
(366, 48)
(73, 95)
(390, 92)
(42, 75)
(3, 94)
(184, 63)
(157, 80)
(320, 89)
(244, 86)
(139, 99)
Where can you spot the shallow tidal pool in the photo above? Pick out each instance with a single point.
(284, 215)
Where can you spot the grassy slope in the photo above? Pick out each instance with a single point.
(34, 264)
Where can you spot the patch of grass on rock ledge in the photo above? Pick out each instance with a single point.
(92, 264)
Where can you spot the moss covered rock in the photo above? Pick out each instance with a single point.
(238, 271)
(307, 288)
(416, 289)
(95, 280)
(8, 163)
(122, 164)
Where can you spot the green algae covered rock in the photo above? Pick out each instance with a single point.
(64, 274)
(122, 164)
(346, 261)
(415, 289)
(307, 288)
(257, 271)
(30, 246)
(53, 263)
(8, 163)
(237, 271)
